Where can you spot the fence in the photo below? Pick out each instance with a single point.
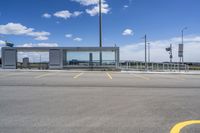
(141, 66)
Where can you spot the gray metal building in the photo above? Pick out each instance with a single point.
(57, 55)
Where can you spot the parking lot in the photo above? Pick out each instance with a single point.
(97, 102)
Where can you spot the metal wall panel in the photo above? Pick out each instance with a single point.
(9, 58)
(55, 58)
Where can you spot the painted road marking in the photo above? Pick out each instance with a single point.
(77, 76)
(142, 77)
(109, 76)
(178, 127)
(44, 75)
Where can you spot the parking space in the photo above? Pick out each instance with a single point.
(86, 74)
(96, 102)
(87, 78)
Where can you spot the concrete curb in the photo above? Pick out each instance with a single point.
(133, 72)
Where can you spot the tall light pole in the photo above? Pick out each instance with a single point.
(100, 31)
(145, 41)
(182, 35)
(149, 52)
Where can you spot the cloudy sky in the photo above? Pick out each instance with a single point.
(125, 22)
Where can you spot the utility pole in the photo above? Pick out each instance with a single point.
(149, 52)
(182, 36)
(100, 31)
(145, 40)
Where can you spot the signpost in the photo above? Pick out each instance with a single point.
(180, 52)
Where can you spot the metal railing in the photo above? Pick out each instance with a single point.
(94, 63)
(153, 66)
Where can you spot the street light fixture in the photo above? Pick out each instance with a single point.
(182, 31)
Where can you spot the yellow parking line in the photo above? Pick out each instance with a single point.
(142, 77)
(77, 76)
(109, 75)
(44, 75)
(178, 127)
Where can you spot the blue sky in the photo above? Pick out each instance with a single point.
(124, 21)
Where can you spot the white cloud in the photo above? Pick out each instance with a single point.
(158, 52)
(87, 2)
(126, 6)
(65, 14)
(94, 10)
(19, 29)
(14, 29)
(78, 39)
(68, 35)
(46, 15)
(37, 34)
(77, 13)
(127, 32)
(41, 38)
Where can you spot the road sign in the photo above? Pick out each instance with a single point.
(180, 50)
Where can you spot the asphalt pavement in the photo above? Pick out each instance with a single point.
(97, 102)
